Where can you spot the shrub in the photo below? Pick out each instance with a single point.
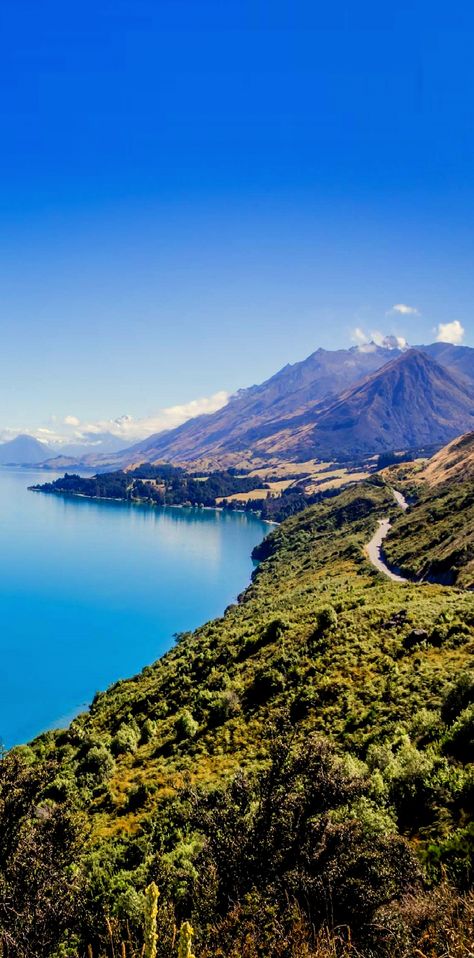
(137, 797)
(302, 704)
(288, 834)
(126, 739)
(98, 764)
(266, 684)
(412, 794)
(148, 731)
(39, 846)
(274, 630)
(185, 726)
(459, 741)
(414, 638)
(61, 789)
(458, 698)
(223, 706)
(327, 619)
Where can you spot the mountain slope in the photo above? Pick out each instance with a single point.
(410, 403)
(460, 359)
(254, 412)
(435, 538)
(276, 417)
(454, 462)
(319, 644)
(23, 451)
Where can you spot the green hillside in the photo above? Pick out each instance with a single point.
(296, 776)
(435, 538)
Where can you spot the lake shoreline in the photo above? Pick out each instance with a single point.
(145, 502)
(78, 581)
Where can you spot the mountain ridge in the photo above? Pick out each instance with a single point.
(293, 398)
(454, 462)
(411, 402)
(23, 450)
(317, 429)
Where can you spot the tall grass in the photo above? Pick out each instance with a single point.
(149, 946)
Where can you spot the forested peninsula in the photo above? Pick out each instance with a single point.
(167, 485)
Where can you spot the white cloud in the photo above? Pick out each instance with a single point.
(358, 336)
(124, 427)
(404, 310)
(388, 341)
(168, 418)
(450, 333)
(368, 341)
(367, 348)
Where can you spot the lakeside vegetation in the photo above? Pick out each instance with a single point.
(268, 495)
(161, 485)
(297, 776)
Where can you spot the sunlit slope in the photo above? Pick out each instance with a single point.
(435, 538)
(335, 404)
(318, 634)
(454, 462)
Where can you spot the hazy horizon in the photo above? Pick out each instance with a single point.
(71, 435)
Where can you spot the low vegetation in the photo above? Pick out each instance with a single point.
(435, 539)
(296, 777)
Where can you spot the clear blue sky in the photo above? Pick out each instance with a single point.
(194, 193)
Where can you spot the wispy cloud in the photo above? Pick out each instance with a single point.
(368, 341)
(404, 310)
(73, 430)
(450, 333)
(167, 418)
(358, 336)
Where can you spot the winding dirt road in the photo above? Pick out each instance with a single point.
(373, 548)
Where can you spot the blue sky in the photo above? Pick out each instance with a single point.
(193, 194)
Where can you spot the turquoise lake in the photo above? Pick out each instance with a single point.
(90, 592)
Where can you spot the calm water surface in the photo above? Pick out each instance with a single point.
(91, 592)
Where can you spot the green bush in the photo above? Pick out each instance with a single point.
(458, 698)
(125, 740)
(148, 731)
(223, 706)
(266, 684)
(185, 726)
(137, 797)
(459, 741)
(327, 619)
(98, 764)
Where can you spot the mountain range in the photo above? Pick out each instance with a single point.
(341, 405)
(412, 402)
